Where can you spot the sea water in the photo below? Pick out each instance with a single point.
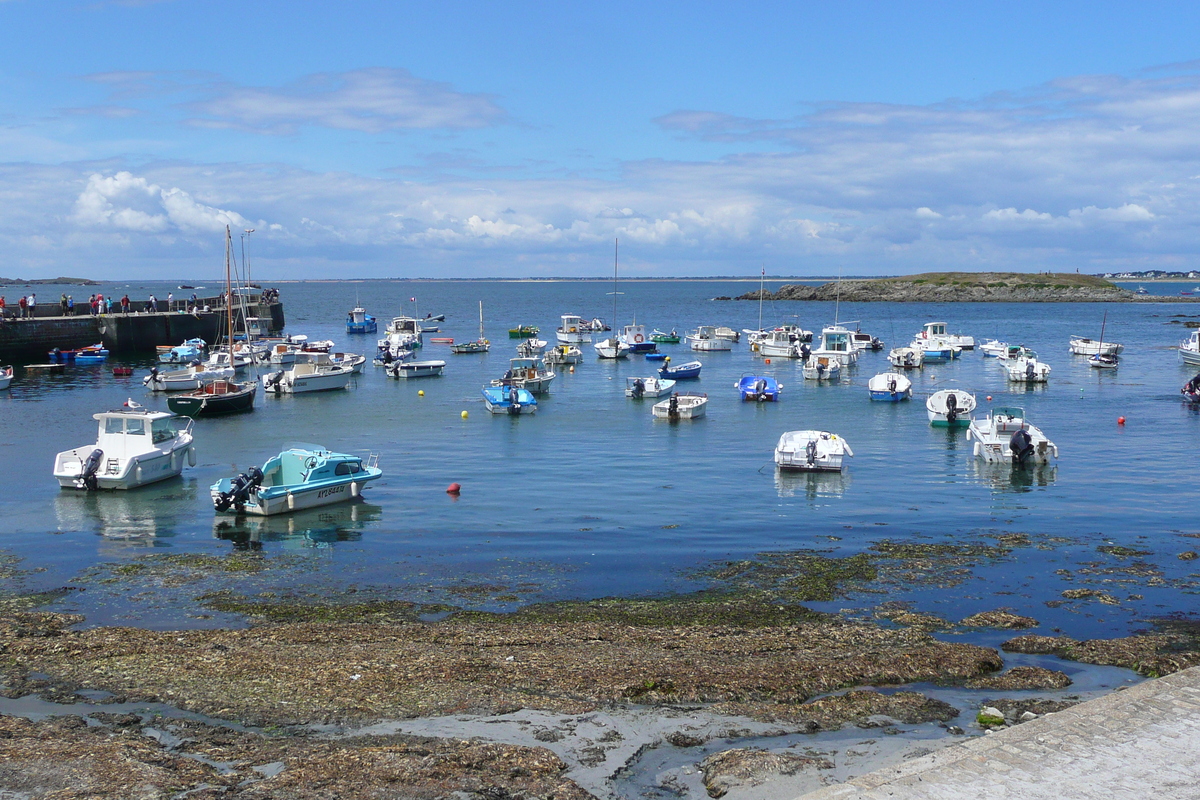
(593, 497)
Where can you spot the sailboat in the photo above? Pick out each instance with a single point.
(480, 345)
(1104, 358)
(613, 347)
(219, 396)
(757, 336)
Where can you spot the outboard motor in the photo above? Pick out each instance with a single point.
(152, 378)
(805, 351)
(639, 387)
(951, 408)
(673, 407)
(1029, 373)
(810, 452)
(239, 490)
(272, 383)
(760, 389)
(87, 475)
(1021, 445)
(514, 398)
(891, 384)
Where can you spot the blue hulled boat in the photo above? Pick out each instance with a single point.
(303, 476)
(509, 400)
(359, 321)
(760, 388)
(684, 371)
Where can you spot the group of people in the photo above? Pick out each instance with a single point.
(99, 304)
(25, 306)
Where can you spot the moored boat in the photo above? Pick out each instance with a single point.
(889, 386)
(638, 388)
(683, 372)
(1191, 390)
(993, 348)
(563, 354)
(611, 348)
(681, 405)
(1027, 369)
(950, 408)
(660, 337)
(302, 476)
(191, 350)
(213, 398)
(183, 380)
(1189, 350)
(1005, 435)
(705, 338)
(480, 345)
(511, 400)
(1100, 361)
(6, 376)
(573, 331)
(527, 373)
(359, 321)
(636, 338)
(531, 347)
(822, 368)
(779, 344)
(937, 330)
(523, 332)
(317, 375)
(812, 451)
(416, 369)
(1082, 346)
(906, 357)
(134, 447)
(759, 388)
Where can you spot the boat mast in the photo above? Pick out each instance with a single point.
(229, 294)
(1103, 320)
(616, 243)
(481, 320)
(761, 278)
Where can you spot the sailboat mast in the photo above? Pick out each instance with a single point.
(228, 294)
(761, 279)
(481, 320)
(616, 244)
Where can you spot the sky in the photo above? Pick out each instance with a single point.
(390, 139)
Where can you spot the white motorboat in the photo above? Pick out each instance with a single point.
(686, 405)
(1104, 362)
(937, 330)
(638, 388)
(529, 374)
(183, 380)
(836, 343)
(1027, 369)
(134, 447)
(573, 330)
(865, 341)
(779, 344)
(638, 340)
(352, 360)
(416, 369)
(6, 376)
(705, 338)
(906, 357)
(890, 386)
(993, 348)
(283, 353)
(1013, 352)
(316, 375)
(220, 360)
(812, 451)
(612, 348)
(950, 408)
(401, 334)
(531, 347)
(1189, 351)
(304, 476)
(1005, 435)
(935, 349)
(1082, 346)
(726, 332)
(563, 354)
(822, 368)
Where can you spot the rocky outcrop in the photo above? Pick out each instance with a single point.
(960, 287)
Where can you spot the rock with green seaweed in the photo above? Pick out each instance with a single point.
(1174, 646)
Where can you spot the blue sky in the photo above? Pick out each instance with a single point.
(386, 139)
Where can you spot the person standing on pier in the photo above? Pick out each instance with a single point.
(125, 304)
(32, 304)
(92, 304)
(70, 305)
(21, 307)
(62, 303)
(170, 301)
(99, 303)
(1, 308)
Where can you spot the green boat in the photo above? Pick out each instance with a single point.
(522, 331)
(658, 337)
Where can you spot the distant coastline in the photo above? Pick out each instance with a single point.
(48, 282)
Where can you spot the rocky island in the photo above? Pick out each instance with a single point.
(965, 287)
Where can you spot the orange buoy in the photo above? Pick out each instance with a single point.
(1120, 420)
(989, 398)
(453, 488)
(767, 360)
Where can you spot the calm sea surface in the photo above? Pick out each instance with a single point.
(592, 497)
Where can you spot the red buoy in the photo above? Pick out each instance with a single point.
(453, 488)
(1120, 420)
(767, 360)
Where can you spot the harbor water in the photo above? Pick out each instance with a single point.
(592, 497)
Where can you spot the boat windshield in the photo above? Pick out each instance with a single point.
(135, 427)
(161, 430)
(114, 425)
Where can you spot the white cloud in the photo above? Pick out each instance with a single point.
(925, 212)
(126, 202)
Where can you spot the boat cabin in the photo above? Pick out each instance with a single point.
(835, 340)
(128, 433)
(1007, 418)
(408, 325)
(298, 466)
(932, 329)
(572, 324)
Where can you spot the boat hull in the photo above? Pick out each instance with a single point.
(141, 470)
(689, 407)
(202, 404)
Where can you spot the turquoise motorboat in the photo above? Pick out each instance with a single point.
(303, 476)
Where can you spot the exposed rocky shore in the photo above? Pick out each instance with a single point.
(965, 287)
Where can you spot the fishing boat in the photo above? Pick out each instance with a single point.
(186, 379)
(6, 376)
(889, 386)
(638, 388)
(359, 321)
(283, 353)
(779, 344)
(635, 337)
(993, 348)
(935, 350)
(759, 388)
(563, 354)
(937, 330)
(865, 341)
(1191, 390)
(836, 344)
(303, 476)
(812, 451)
(1027, 369)
(480, 345)
(511, 400)
(573, 331)
(705, 338)
(401, 334)
(659, 337)
(1189, 351)
(726, 332)
(906, 357)
(219, 396)
(134, 447)
(683, 372)
(527, 373)
(822, 368)
(191, 350)
(682, 405)
(950, 408)
(531, 347)
(1005, 435)
(523, 331)
(416, 369)
(352, 360)
(317, 375)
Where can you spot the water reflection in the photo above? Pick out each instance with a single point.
(1004, 477)
(144, 513)
(813, 485)
(318, 527)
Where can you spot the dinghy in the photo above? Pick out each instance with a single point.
(638, 388)
(759, 388)
(889, 386)
(683, 372)
(686, 405)
(1005, 435)
(811, 451)
(950, 408)
(510, 400)
(822, 368)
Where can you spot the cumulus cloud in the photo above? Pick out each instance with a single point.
(126, 202)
